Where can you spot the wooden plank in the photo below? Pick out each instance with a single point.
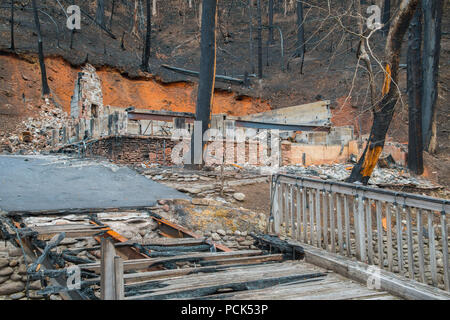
(398, 224)
(150, 262)
(339, 223)
(163, 274)
(311, 217)
(63, 227)
(69, 234)
(277, 208)
(318, 220)
(445, 251)
(167, 242)
(379, 235)
(325, 219)
(305, 224)
(243, 260)
(359, 271)
(220, 277)
(292, 212)
(347, 226)
(234, 283)
(287, 208)
(389, 237)
(410, 243)
(362, 229)
(313, 289)
(369, 231)
(356, 227)
(432, 248)
(119, 286)
(300, 226)
(174, 230)
(420, 242)
(76, 211)
(332, 227)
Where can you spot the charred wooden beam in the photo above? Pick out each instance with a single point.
(237, 285)
(191, 73)
(275, 244)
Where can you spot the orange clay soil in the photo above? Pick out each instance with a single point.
(20, 88)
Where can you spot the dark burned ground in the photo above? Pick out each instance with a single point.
(257, 197)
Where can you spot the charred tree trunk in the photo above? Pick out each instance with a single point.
(270, 21)
(364, 56)
(414, 83)
(384, 110)
(207, 69)
(45, 87)
(386, 16)
(13, 47)
(146, 53)
(260, 63)
(300, 51)
(112, 13)
(432, 10)
(100, 13)
(134, 28)
(250, 28)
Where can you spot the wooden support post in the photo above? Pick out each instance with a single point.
(107, 281)
(119, 287)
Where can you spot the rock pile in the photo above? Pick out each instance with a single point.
(13, 275)
(380, 176)
(237, 240)
(35, 134)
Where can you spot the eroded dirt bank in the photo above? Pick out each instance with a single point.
(20, 92)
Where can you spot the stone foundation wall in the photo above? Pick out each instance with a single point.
(133, 150)
(13, 276)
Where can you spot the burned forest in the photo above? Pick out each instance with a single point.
(221, 150)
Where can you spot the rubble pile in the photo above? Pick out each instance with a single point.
(35, 134)
(380, 176)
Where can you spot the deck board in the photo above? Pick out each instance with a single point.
(288, 280)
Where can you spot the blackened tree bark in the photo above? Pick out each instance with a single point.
(363, 55)
(207, 67)
(100, 13)
(260, 63)
(134, 26)
(146, 53)
(250, 28)
(384, 110)
(112, 13)
(414, 83)
(12, 26)
(45, 87)
(270, 21)
(432, 10)
(300, 51)
(386, 16)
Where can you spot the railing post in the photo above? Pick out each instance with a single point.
(277, 197)
(445, 250)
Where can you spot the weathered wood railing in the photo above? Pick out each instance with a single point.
(400, 232)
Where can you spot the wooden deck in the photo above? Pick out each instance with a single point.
(286, 280)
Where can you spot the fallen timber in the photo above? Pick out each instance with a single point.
(190, 272)
(196, 74)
